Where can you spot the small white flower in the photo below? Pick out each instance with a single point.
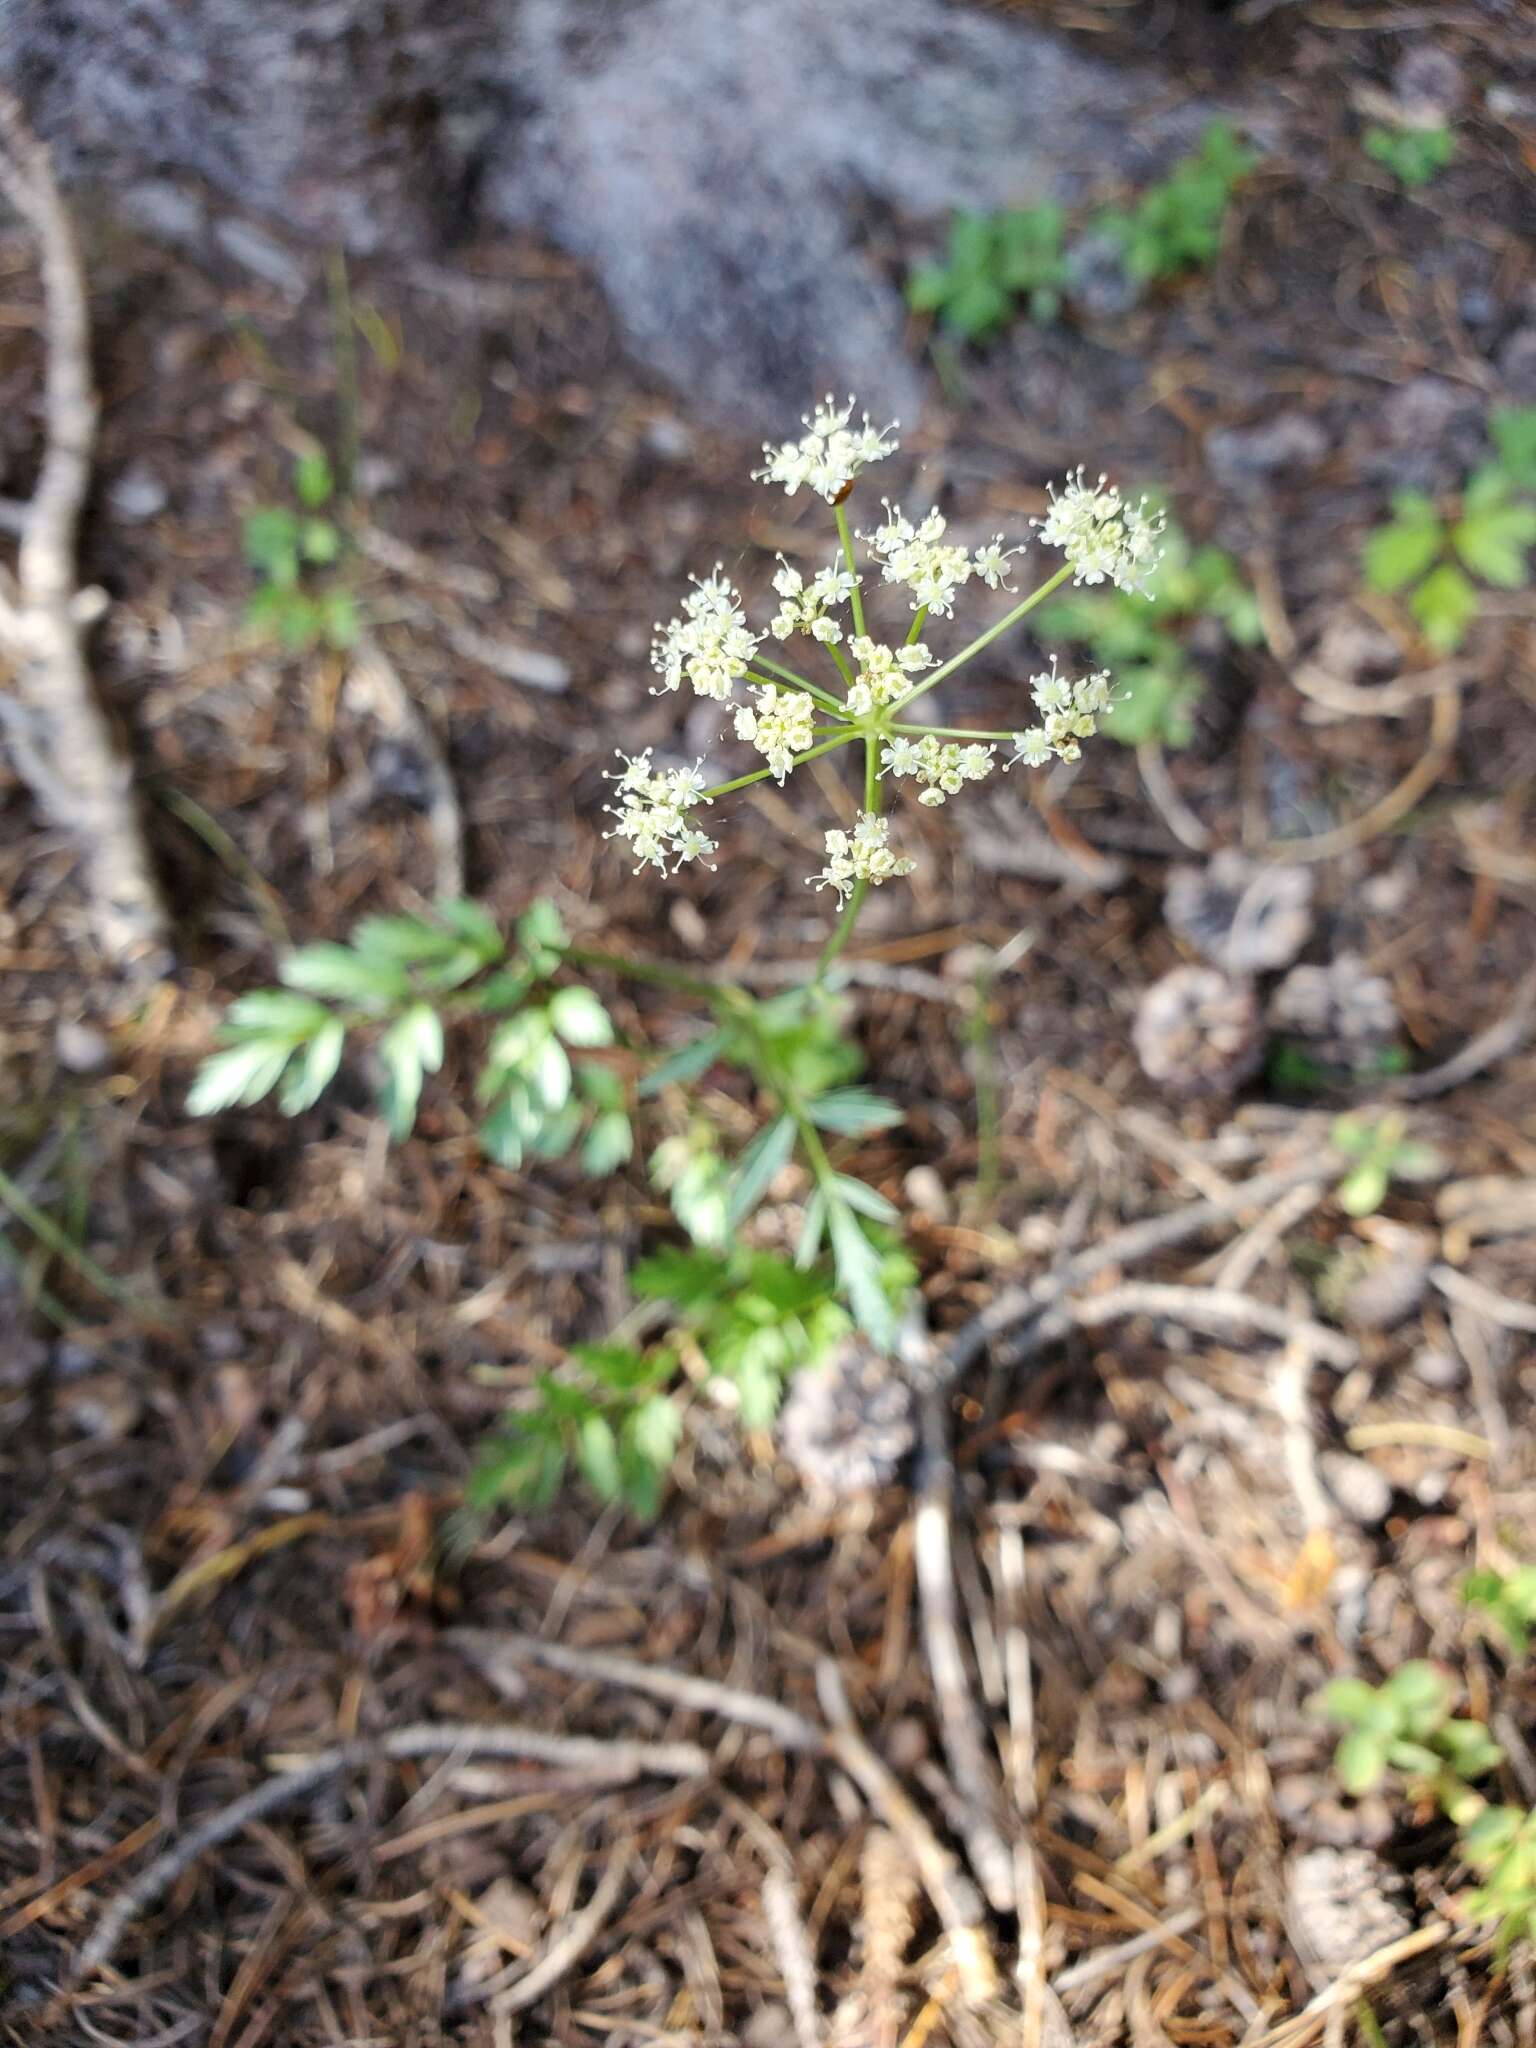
(710, 644)
(778, 725)
(806, 607)
(990, 563)
(945, 767)
(862, 856)
(826, 630)
(1069, 712)
(652, 813)
(931, 568)
(880, 673)
(1104, 538)
(829, 455)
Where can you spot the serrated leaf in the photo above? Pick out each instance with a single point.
(854, 1112)
(336, 971)
(689, 1278)
(403, 941)
(858, 1274)
(1361, 1760)
(687, 1063)
(655, 1428)
(274, 1013)
(597, 1457)
(755, 1169)
(867, 1201)
(314, 1069)
(1403, 549)
(1445, 605)
(241, 1075)
(271, 537)
(580, 1018)
(610, 1143)
(1493, 542)
(411, 1048)
(812, 1230)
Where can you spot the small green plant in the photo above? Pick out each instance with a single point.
(554, 1080)
(296, 551)
(1509, 1601)
(1404, 1726)
(741, 1321)
(1143, 639)
(1382, 1152)
(993, 262)
(1414, 156)
(1433, 550)
(1176, 225)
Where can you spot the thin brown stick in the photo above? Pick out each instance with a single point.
(959, 1723)
(610, 1761)
(1505, 1035)
(1444, 724)
(488, 1648)
(955, 1899)
(792, 1951)
(62, 741)
(521, 1983)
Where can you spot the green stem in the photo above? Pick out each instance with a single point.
(824, 698)
(985, 639)
(843, 668)
(790, 675)
(658, 972)
(857, 599)
(917, 625)
(47, 1232)
(741, 781)
(842, 931)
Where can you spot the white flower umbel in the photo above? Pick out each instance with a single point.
(918, 557)
(1104, 538)
(710, 645)
(830, 453)
(652, 813)
(864, 855)
(944, 767)
(779, 725)
(1069, 712)
(807, 607)
(881, 675)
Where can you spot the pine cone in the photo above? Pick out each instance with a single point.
(1347, 1016)
(846, 1425)
(1338, 1909)
(1244, 917)
(1199, 1031)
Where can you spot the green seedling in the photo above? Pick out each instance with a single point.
(295, 551)
(1405, 1725)
(1509, 1601)
(1177, 224)
(994, 264)
(1382, 1152)
(1414, 156)
(1433, 550)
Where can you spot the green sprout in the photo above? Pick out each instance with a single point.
(1509, 1601)
(292, 548)
(993, 262)
(1382, 1152)
(1405, 1725)
(1176, 225)
(1414, 156)
(1487, 533)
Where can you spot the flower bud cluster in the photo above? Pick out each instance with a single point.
(944, 767)
(830, 453)
(864, 855)
(779, 725)
(1104, 538)
(652, 813)
(711, 644)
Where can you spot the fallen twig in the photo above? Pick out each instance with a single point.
(1505, 1035)
(1498, 1308)
(959, 1724)
(955, 1898)
(523, 1983)
(611, 1761)
(792, 1950)
(61, 740)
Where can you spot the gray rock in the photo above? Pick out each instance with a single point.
(715, 165)
(261, 255)
(170, 211)
(1428, 81)
(137, 494)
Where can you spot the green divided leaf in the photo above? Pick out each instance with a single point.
(580, 1018)
(410, 1049)
(1404, 548)
(1445, 605)
(756, 1168)
(854, 1112)
(336, 971)
(1493, 538)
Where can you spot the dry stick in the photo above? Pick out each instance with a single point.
(1358, 1978)
(1506, 1035)
(374, 683)
(612, 1761)
(1139, 1240)
(63, 744)
(1176, 814)
(1010, 1572)
(955, 1898)
(1498, 1308)
(520, 1985)
(1199, 1306)
(1105, 1961)
(959, 1724)
(486, 1648)
(1444, 723)
(792, 1950)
